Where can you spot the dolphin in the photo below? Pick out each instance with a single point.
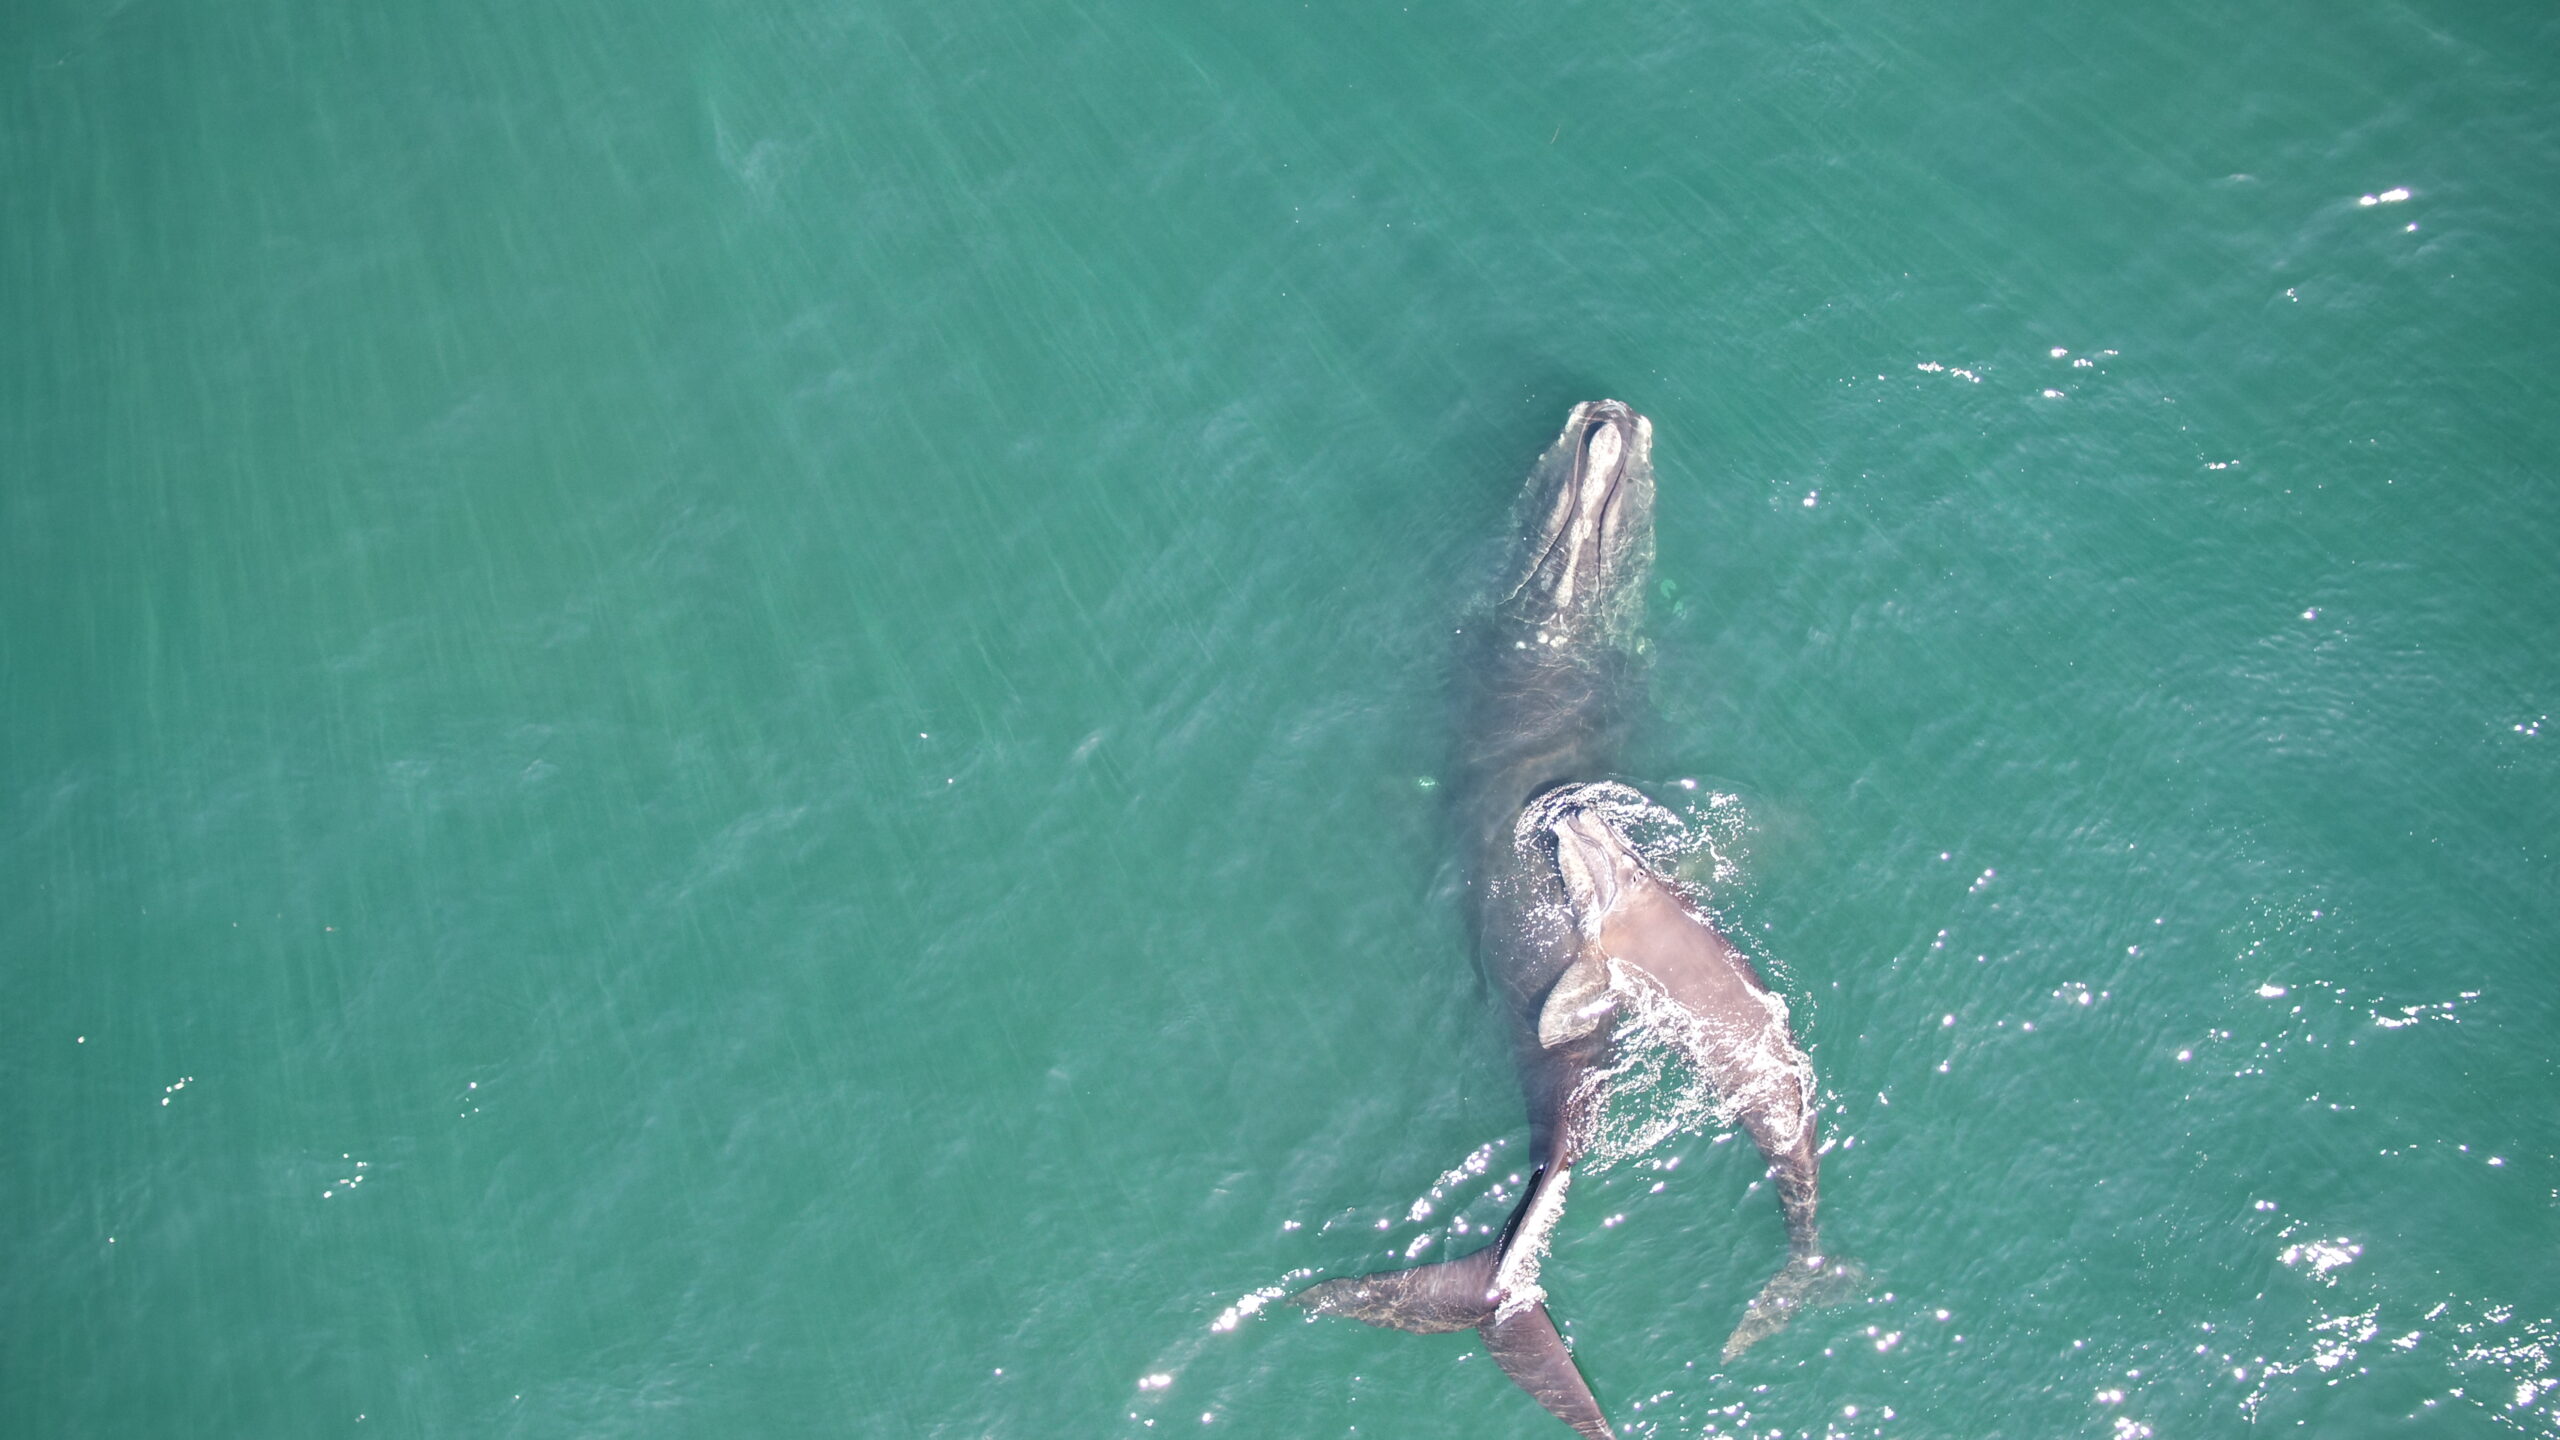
(1586, 948)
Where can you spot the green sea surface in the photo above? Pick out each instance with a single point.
(723, 720)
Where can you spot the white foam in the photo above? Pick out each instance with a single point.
(1657, 1083)
(1516, 1281)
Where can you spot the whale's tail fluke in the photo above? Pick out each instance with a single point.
(1457, 1295)
(1427, 1299)
(1473, 1292)
(1525, 1344)
(1805, 1282)
(1810, 1279)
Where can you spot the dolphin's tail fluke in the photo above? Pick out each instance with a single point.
(1805, 1282)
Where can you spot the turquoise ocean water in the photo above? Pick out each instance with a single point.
(719, 720)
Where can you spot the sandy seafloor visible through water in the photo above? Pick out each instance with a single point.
(718, 719)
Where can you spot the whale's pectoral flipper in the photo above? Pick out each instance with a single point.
(1581, 1000)
(1525, 1344)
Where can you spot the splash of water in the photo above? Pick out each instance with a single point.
(1656, 1083)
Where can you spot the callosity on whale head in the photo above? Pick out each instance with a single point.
(1586, 530)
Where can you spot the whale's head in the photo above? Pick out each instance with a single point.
(1586, 529)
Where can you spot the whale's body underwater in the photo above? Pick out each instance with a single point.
(1577, 935)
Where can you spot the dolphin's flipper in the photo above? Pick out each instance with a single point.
(1525, 1344)
(1427, 1299)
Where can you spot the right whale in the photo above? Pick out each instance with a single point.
(1586, 946)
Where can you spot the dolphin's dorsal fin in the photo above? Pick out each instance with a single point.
(1525, 1344)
